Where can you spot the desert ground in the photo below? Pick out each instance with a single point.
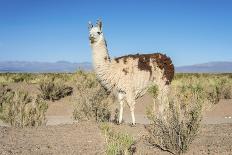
(63, 135)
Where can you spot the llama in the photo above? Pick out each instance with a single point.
(129, 77)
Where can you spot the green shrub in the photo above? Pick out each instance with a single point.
(51, 90)
(22, 110)
(153, 90)
(118, 143)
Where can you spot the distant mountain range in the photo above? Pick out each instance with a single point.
(43, 67)
(210, 67)
(64, 66)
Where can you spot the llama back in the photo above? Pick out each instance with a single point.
(145, 62)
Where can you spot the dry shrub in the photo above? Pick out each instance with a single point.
(4, 92)
(53, 90)
(21, 77)
(177, 129)
(92, 100)
(212, 93)
(22, 110)
(225, 88)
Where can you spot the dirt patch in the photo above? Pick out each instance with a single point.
(222, 109)
(81, 138)
(220, 113)
(213, 139)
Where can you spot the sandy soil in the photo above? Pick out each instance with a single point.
(86, 138)
(220, 113)
(62, 135)
(81, 138)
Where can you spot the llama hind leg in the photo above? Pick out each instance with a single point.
(132, 115)
(132, 110)
(121, 102)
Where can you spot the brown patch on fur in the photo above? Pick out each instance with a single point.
(123, 58)
(144, 60)
(144, 63)
(125, 70)
(124, 61)
(106, 58)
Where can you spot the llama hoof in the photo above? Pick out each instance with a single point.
(118, 123)
(133, 125)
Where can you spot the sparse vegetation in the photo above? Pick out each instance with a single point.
(92, 100)
(190, 95)
(51, 90)
(33, 78)
(216, 86)
(117, 143)
(22, 110)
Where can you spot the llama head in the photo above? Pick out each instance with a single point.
(95, 32)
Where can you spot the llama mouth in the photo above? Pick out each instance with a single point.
(92, 40)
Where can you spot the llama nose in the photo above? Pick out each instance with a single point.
(91, 36)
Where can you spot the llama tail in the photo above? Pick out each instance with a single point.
(164, 62)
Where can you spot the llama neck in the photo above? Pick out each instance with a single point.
(101, 63)
(100, 53)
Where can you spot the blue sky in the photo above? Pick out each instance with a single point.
(189, 31)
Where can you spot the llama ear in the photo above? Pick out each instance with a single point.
(99, 24)
(90, 25)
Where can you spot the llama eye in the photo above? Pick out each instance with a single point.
(99, 33)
